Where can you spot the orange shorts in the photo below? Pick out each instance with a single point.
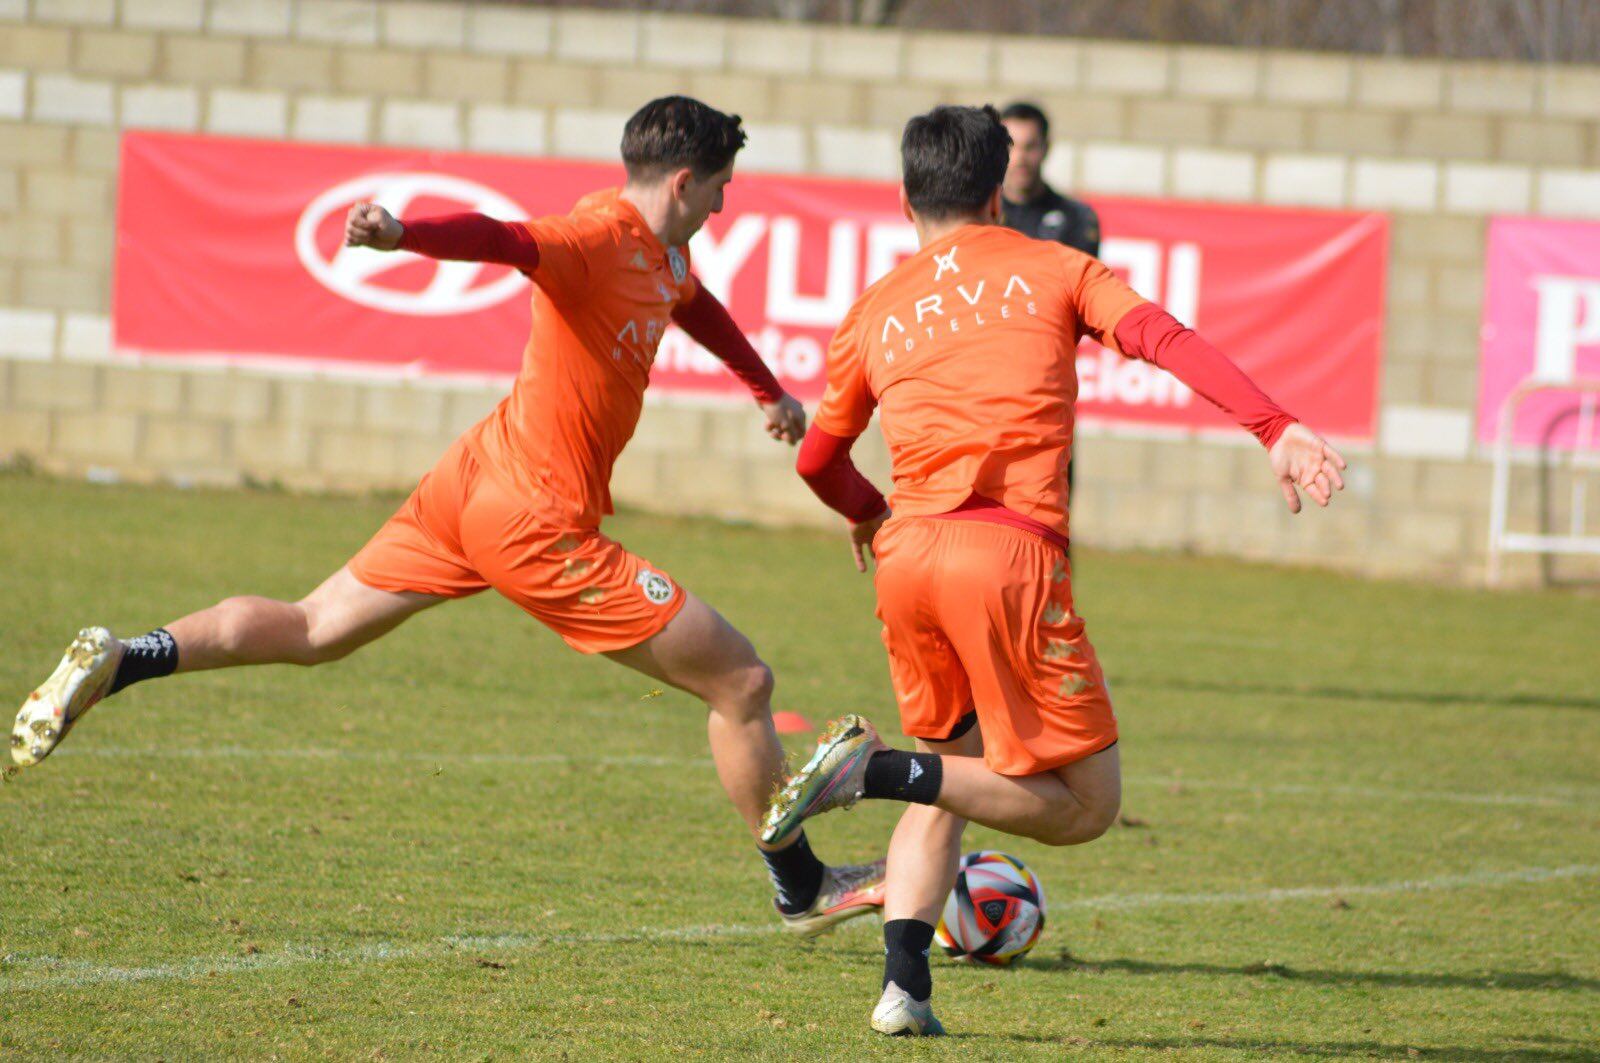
(979, 615)
(462, 532)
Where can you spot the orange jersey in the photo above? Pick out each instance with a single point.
(969, 347)
(604, 291)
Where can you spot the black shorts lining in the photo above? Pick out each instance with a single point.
(967, 722)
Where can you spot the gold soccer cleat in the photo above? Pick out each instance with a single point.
(833, 778)
(81, 679)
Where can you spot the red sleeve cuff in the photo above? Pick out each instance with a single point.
(824, 464)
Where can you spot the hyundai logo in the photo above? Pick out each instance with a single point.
(357, 273)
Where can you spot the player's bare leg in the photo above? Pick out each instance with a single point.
(1071, 805)
(925, 850)
(332, 621)
(339, 617)
(701, 653)
(924, 854)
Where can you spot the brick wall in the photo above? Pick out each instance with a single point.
(1440, 145)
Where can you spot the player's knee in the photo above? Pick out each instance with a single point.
(746, 691)
(1082, 821)
(757, 684)
(1097, 820)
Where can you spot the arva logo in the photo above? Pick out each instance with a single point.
(396, 281)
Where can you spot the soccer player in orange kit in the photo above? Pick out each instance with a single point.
(516, 502)
(967, 349)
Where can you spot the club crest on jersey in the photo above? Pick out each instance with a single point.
(657, 588)
(680, 267)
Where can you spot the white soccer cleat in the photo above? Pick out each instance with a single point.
(81, 679)
(900, 1016)
(847, 892)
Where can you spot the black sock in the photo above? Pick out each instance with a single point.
(146, 657)
(901, 776)
(905, 956)
(796, 874)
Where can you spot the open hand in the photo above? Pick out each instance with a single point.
(861, 536)
(786, 419)
(1301, 458)
(369, 225)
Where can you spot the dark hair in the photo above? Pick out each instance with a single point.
(676, 131)
(953, 159)
(1027, 112)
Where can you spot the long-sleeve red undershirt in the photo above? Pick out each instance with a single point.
(710, 325)
(1147, 332)
(471, 238)
(1150, 333)
(824, 464)
(478, 238)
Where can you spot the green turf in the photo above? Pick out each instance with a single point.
(281, 861)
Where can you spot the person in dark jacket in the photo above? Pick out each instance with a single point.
(1031, 206)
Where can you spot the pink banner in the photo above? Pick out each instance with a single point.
(232, 247)
(1541, 322)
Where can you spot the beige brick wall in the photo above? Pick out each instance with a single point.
(1439, 145)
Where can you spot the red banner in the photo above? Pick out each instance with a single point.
(232, 247)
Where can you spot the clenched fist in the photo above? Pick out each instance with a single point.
(369, 225)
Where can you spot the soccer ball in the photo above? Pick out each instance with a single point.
(996, 912)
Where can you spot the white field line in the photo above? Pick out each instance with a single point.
(1515, 876)
(377, 756)
(46, 971)
(1375, 793)
(43, 972)
(1569, 799)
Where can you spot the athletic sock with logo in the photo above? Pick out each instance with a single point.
(901, 776)
(796, 874)
(905, 956)
(146, 657)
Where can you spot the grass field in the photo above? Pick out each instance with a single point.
(1365, 820)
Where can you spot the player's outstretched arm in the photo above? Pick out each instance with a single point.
(457, 237)
(709, 324)
(1300, 458)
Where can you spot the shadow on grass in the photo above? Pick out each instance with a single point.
(1334, 693)
(1519, 980)
(1578, 1050)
